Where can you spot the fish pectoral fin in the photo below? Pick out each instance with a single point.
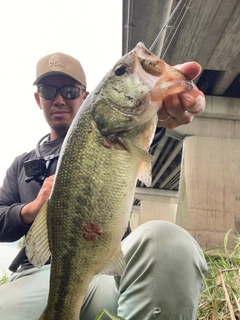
(37, 244)
(145, 174)
(116, 265)
(138, 152)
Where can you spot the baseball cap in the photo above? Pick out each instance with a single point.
(60, 64)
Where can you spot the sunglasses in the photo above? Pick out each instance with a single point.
(67, 92)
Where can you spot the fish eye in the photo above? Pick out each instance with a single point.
(120, 70)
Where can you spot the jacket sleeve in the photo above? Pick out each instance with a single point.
(12, 227)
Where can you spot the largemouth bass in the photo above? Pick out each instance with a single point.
(104, 153)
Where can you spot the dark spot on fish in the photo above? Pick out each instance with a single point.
(120, 70)
(79, 199)
(91, 231)
(101, 123)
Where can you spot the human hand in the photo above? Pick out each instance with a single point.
(183, 106)
(31, 209)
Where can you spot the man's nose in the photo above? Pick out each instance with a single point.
(59, 100)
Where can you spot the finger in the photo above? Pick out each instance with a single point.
(181, 108)
(173, 107)
(192, 101)
(172, 123)
(190, 69)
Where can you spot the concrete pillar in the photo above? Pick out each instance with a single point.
(155, 210)
(135, 217)
(209, 193)
(155, 205)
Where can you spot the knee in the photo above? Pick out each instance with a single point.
(164, 233)
(170, 242)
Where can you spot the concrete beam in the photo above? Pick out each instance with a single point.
(221, 108)
(221, 119)
(150, 194)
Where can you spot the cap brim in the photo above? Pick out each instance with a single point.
(50, 73)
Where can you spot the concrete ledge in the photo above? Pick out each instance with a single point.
(151, 194)
(221, 119)
(221, 108)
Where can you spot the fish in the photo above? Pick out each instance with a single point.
(104, 153)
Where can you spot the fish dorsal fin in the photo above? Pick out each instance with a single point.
(37, 244)
(116, 265)
(131, 147)
(145, 174)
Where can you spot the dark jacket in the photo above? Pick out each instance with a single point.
(16, 192)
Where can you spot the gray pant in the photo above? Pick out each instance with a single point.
(162, 280)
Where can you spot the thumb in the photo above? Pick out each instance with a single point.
(190, 69)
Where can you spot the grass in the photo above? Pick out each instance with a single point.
(220, 297)
(3, 278)
(110, 315)
(221, 294)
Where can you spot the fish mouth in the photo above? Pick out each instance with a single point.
(166, 80)
(155, 68)
(150, 63)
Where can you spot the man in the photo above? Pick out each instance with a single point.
(164, 264)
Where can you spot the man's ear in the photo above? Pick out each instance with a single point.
(86, 93)
(37, 98)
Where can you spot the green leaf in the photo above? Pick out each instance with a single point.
(99, 316)
(3, 279)
(111, 315)
(226, 238)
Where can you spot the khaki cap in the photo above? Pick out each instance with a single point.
(60, 63)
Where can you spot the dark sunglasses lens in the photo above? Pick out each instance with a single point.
(47, 92)
(70, 93)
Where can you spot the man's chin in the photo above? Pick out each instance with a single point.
(61, 127)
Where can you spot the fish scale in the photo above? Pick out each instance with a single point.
(104, 153)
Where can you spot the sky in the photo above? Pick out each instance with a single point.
(90, 31)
